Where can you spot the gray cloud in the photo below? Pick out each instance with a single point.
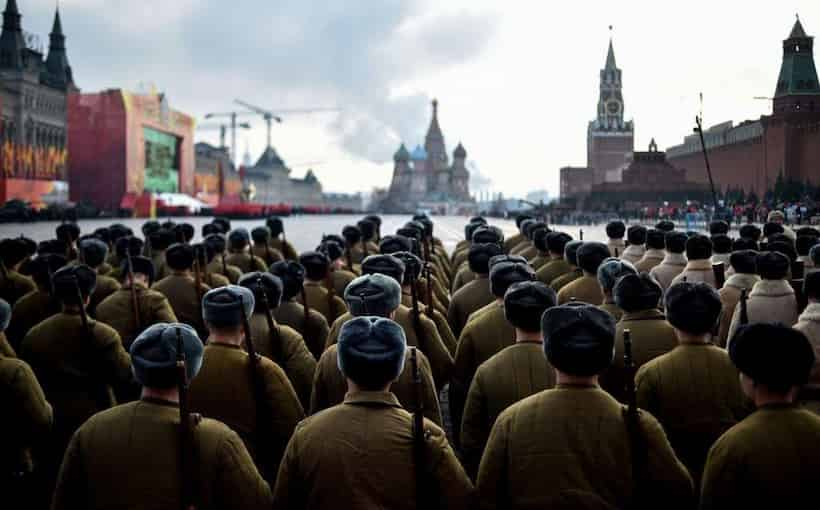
(288, 54)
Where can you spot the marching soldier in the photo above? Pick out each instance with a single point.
(721, 249)
(277, 229)
(718, 227)
(476, 293)
(665, 226)
(638, 296)
(513, 374)
(125, 246)
(440, 297)
(608, 274)
(699, 264)
(101, 466)
(636, 235)
(159, 241)
(27, 420)
(772, 298)
(39, 305)
(354, 251)
(557, 266)
(485, 335)
(127, 316)
(240, 256)
(654, 255)
(539, 240)
(261, 246)
(803, 246)
(317, 267)
(219, 262)
(93, 253)
(674, 262)
(482, 235)
(525, 243)
(768, 458)
(69, 234)
(13, 285)
(80, 372)
(368, 230)
(463, 247)
(252, 396)
(311, 324)
(518, 237)
(182, 287)
(184, 232)
(586, 289)
(571, 258)
(404, 466)
(204, 254)
(693, 390)
(340, 277)
(809, 325)
(582, 437)
(419, 330)
(279, 343)
(373, 295)
(615, 231)
(744, 264)
(531, 251)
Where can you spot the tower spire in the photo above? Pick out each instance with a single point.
(610, 54)
(59, 70)
(11, 40)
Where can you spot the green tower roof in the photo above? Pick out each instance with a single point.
(798, 75)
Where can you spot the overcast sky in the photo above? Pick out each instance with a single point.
(517, 81)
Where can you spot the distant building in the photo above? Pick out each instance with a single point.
(269, 183)
(33, 97)
(751, 155)
(610, 139)
(215, 178)
(344, 202)
(426, 179)
(123, 145)
(648, 178)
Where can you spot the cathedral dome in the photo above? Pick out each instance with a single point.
(419, 154)
(460, 152)
(401, 154)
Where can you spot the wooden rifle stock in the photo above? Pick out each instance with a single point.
(744, 310)
(719, 270)
(273, 330)
(134, 300)
(632, 418)
(429, 289)
(186, 478)
(258, 389)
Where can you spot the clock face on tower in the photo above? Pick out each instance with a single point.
(613, 107)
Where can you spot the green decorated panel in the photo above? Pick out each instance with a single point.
(161, 161)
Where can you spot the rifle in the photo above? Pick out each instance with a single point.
(331, 291)
(224, 265)
(98, 387)
(133, 293)
(719, 270)
(744, 310)
(581, 234)
(273, 329)
(258, 388)
(798, 275)
(416, 316)
(418, 430)
(197, 277)
(429, 290)
(637, 442)
(186, 478)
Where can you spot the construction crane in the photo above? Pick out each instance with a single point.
(233, 116)
(223, 128)
(270, 116)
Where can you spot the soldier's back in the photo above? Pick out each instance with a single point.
(184, 299)
(30, 310)
(312, 326)
(341, 278)
(14, 285)
(220, 266)
(695, 393)
(266, 253)
(285, 347)
(652, 336)
(565, 279)
(104, 288)
(464, 275)
(223, 390)
(669, 269)
(729, 298)
(107, 466)
(552, 270)
(763, 461)
(330, 385)
(511, 375)
(286, 248)
(331, 307)
(246, 262)
(585, 289)
(359, 455)
(579, 436)
(467, 300)
(118, 312)
(215, 280)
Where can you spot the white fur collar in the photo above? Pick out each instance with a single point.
(811, 313)
(655, 254)
(772, 288)
(634, 250)
(742, 281)
(699, 265)
(674, 259)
